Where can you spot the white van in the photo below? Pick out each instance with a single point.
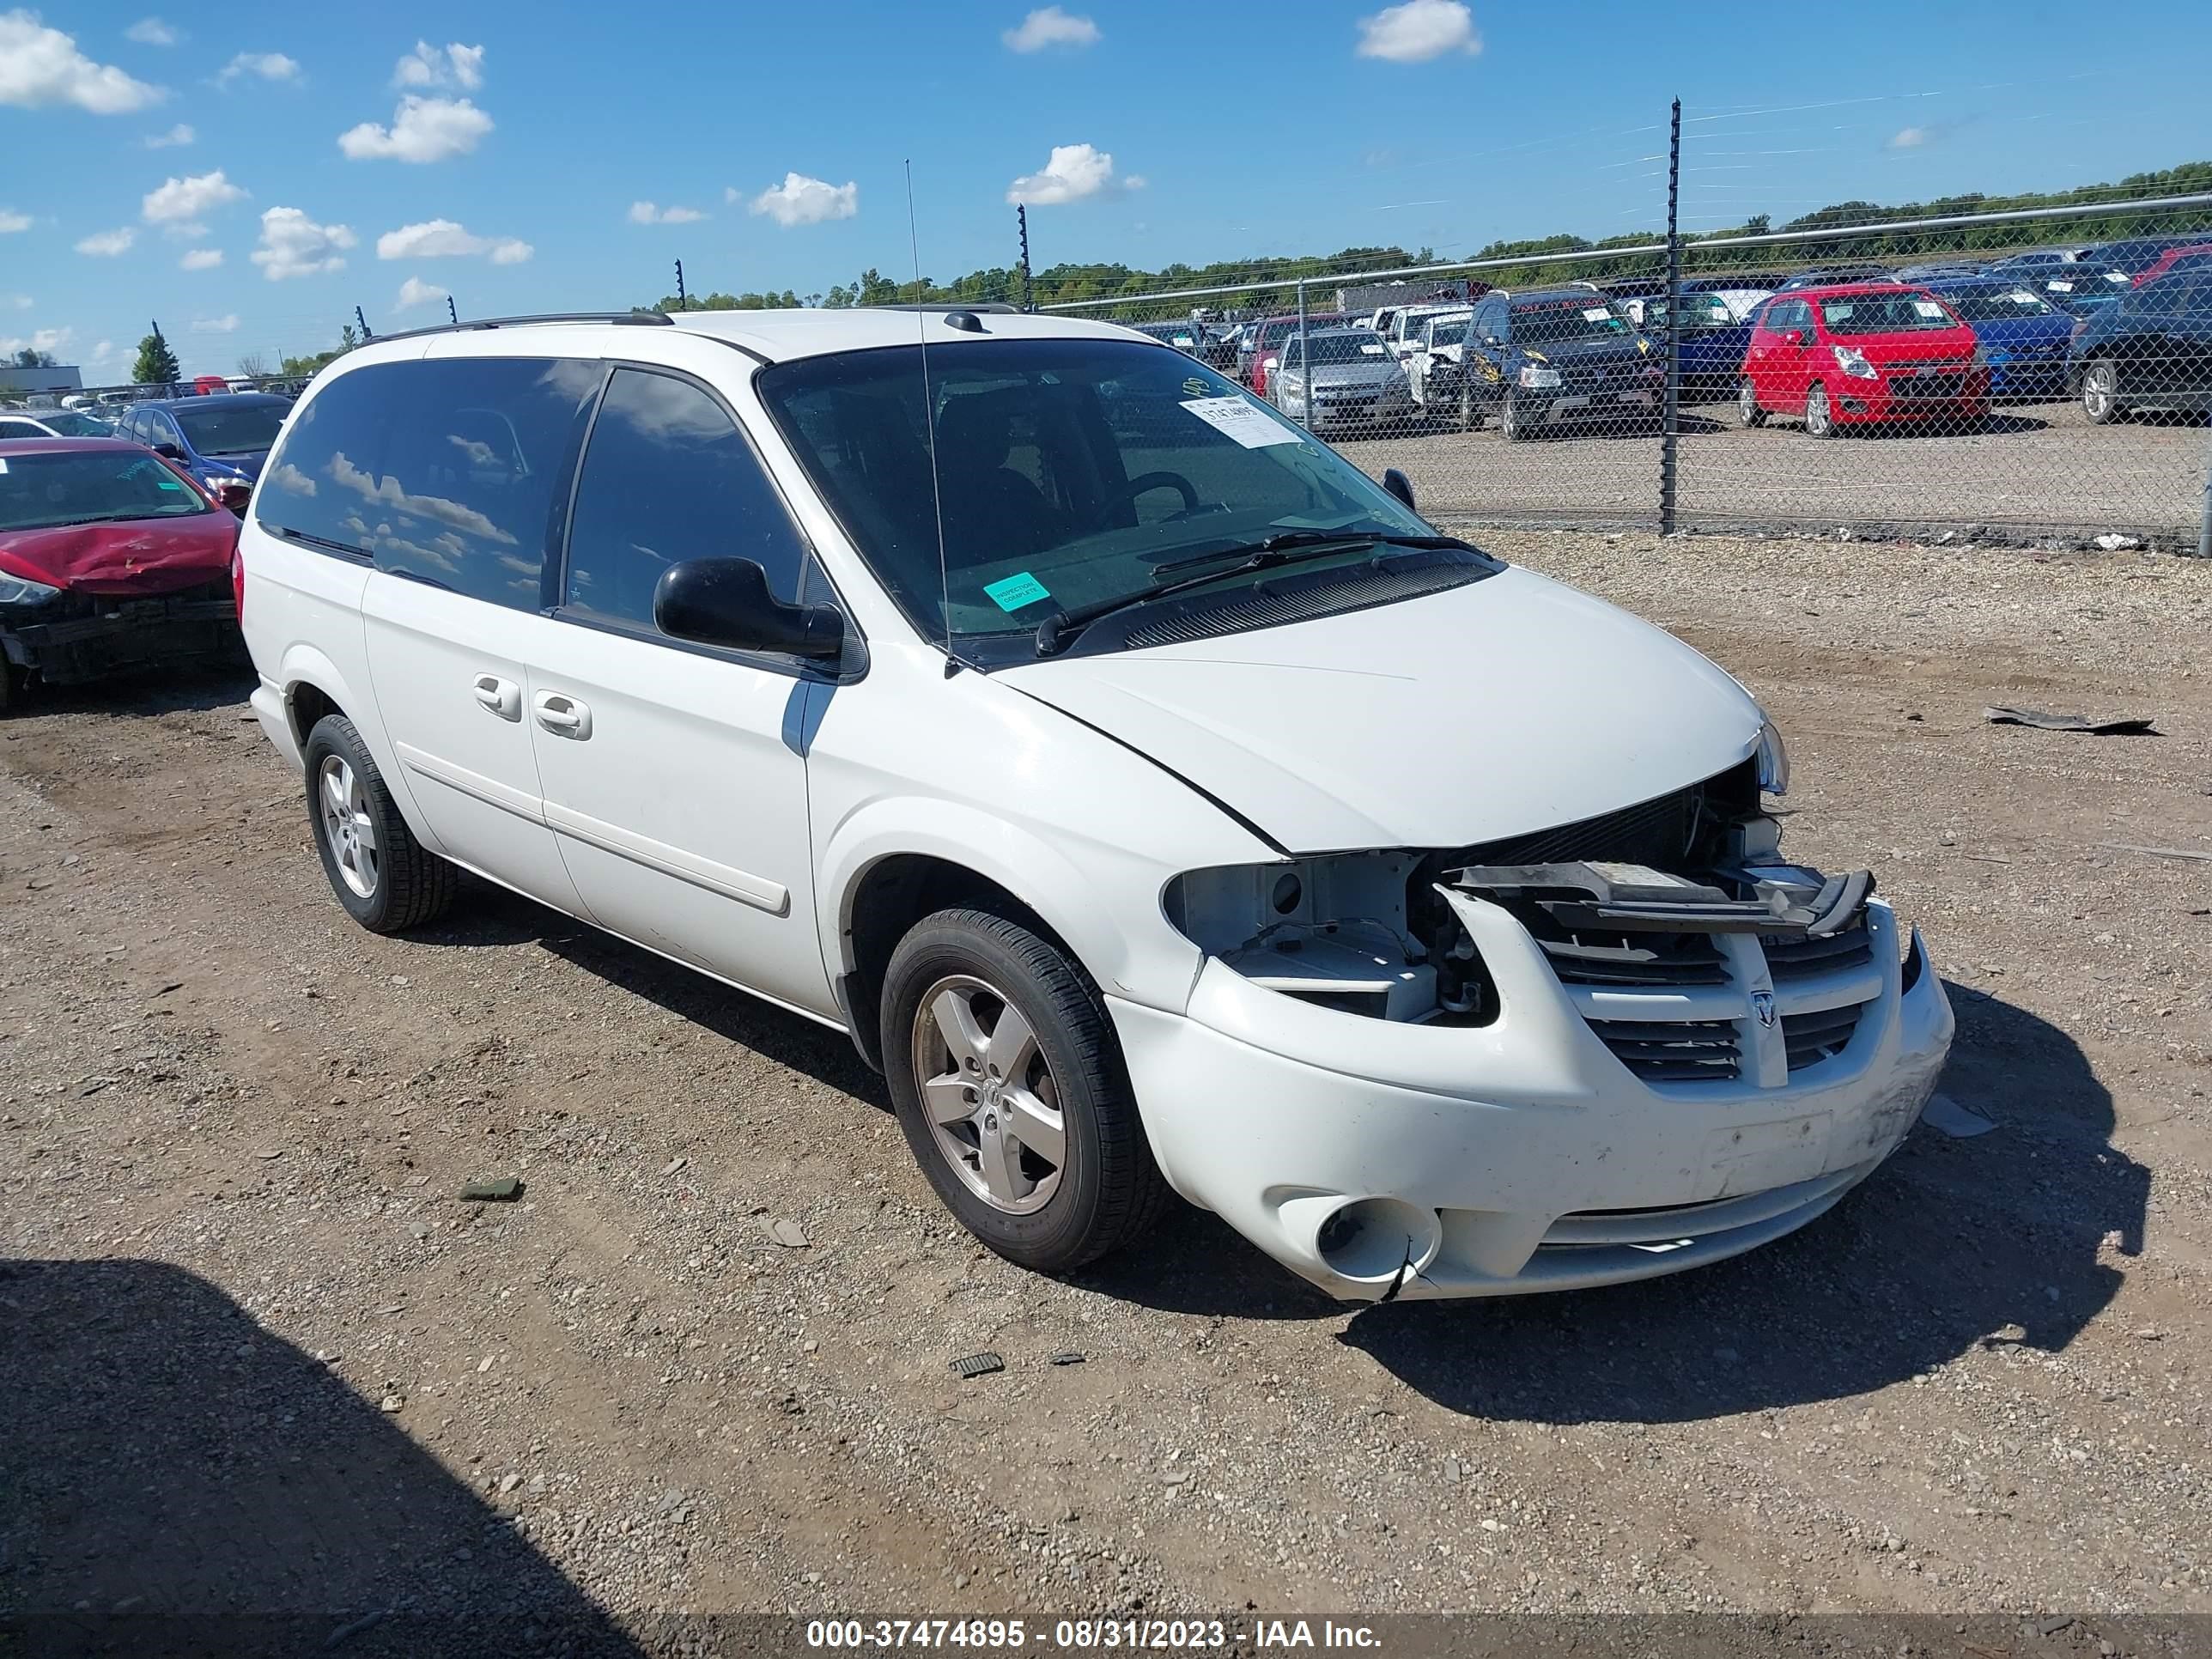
(1160, 803)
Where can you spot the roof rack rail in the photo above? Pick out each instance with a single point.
(650, 318)
(987, 306)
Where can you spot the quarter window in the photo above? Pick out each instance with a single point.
(447, 470)
(668, 476)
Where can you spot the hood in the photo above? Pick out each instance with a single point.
(2014, 333)
(1628, 348)
(250, 463)
(1508, 705)
(1376, 373)
(134, 556)
(1913, 346)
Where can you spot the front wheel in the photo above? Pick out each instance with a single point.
(2101, 392)
(385, 879)
(1512, 425)
(1012, 1092)
(1820, 419)
(1747, 411)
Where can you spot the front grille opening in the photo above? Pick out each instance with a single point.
(1812, 1038)
(1789, 958)
(1673, 1051)
(1635, 959)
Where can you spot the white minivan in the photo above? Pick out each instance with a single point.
(1161, 803)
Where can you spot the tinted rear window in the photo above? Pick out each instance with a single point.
(447, 470)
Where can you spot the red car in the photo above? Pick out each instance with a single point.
(1859, 353)
(2197, 257)
(110, 558)
(1268, 342)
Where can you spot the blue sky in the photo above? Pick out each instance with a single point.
(248, 174)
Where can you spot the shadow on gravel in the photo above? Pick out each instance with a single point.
(140, 693)
(174, 1480)
(1951, 1245)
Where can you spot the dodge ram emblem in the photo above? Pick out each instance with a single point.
(1762, 1004)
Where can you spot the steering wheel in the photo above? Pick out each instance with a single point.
(1137, 486)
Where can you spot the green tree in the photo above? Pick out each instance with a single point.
(32, 358)
(348, 339)
(156, 364)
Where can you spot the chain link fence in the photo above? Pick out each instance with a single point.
(2040, 375)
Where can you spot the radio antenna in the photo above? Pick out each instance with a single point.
(929, 426)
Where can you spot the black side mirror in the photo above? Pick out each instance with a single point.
(174, 451)
(727, 602)
(1398, 484)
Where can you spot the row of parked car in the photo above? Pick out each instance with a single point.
(2122, 325)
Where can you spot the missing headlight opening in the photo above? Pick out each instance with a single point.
(1685, 891)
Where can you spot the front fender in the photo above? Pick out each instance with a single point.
(1107, 912)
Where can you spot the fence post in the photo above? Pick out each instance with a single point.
(2204, 527)
(1671, 426)
(1305, 364)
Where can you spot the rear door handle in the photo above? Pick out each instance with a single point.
(563, 715)
(502, 698)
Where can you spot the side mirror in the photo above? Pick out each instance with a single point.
(1398, 484)
(174, 451)
(234, 495)
(727, 602)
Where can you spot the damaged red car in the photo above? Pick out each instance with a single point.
(110, 558)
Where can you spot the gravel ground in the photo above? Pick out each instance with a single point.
(2038, 468)
(259, 1354)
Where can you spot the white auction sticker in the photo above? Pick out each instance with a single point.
(1595, 313)
(1928, 308)
(1248, 423)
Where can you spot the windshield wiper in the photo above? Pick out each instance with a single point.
(1056, 632)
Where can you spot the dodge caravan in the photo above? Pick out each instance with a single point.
(1159, 802)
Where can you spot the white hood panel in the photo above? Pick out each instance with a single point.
(1508, 705)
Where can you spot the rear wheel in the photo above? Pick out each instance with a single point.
(1747, 411)
(385, 879)
(2101, 392)
(1820, 419)
(1512, 423)
(1012, 1091)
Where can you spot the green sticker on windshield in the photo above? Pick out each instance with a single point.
(164, 483)
(1013, 593)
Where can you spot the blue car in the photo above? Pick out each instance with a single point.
(2023, 336)
(218, 439)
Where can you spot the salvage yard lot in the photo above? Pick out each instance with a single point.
(259, 1352)
(2039, 466)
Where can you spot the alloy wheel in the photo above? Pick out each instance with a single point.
(343, 806)
(993, 1103)
(2100, 391)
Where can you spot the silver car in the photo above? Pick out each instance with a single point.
(1356, 381)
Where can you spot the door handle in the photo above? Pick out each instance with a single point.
(502, 698)
(563, 715)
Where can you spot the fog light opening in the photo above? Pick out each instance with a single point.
(1371, 1238)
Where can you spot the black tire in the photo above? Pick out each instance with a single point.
(1470, 411)
(1510, 425)
(412, 884)
(1748, 413)
(1109, 1191)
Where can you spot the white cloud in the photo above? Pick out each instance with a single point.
(175, 138)
(645, 212)
(200, 259)
(441, 238)
(800, 200)
(15, 302)
(41, 66)
(152, 31)
(428, 66)
(11, 222)
(268, 65)
(45, 339)
(1071, 173)
(101, 353)
(1418, 31)
(422, 130)
(292, 245)
(225, 325)
(184, 200)
(106, 243)
(416, 292)
(1910, 138)
(1051, 27)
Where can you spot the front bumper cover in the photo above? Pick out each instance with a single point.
(1523, 1155)
(68, 642)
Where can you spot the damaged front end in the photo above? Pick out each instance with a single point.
(67, 638)
(1520, 1009)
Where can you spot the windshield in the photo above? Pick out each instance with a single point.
(1069, 472)
(1885, 314)
(1553, 322)
(1360, 348)
(221, 426)
(38, 492)
(1996, 303)
(1449, 328)
(1274, 332)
